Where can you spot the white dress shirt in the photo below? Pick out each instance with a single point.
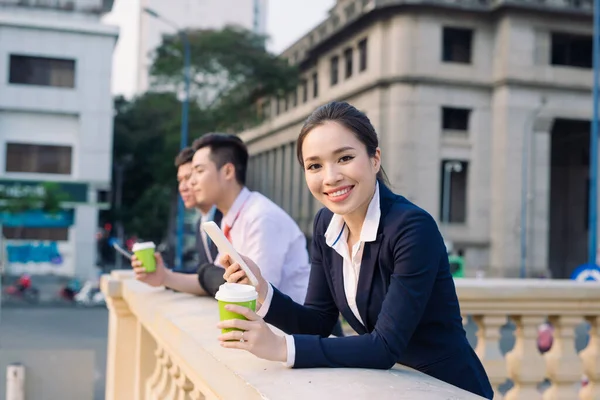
(336, 237)
(263, 232)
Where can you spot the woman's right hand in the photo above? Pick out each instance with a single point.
(235, 274)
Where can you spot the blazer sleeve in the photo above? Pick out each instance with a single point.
(416, 254)
(319, 314)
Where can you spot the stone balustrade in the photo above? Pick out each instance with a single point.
(526, 304)
(163, 345)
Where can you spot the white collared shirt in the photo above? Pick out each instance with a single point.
(336, 237)
(268, 236)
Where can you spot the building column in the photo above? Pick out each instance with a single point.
(513, 125)
(538, 199)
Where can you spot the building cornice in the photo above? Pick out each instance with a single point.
(86, 26)
(348, 15)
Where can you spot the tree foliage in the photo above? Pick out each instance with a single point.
(230, 72)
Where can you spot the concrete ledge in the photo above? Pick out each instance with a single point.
(184, 327)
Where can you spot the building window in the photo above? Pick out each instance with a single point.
(335, 63)
(266, 109)
(348, 58)
(315, 79)
(277, 106)
(455, 119)
(571, 50)
(456, 46)
(350, 10)
(335, 21)
(30, 233)
(42, 71)
(453, 201)
(294, 98)
(38, 158)
(304, 90)
(362, 55)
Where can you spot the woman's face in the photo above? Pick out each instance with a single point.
(338, 170)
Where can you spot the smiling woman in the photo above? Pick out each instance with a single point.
(377, 259)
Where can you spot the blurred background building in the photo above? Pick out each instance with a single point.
(483, 112)
(56, 121)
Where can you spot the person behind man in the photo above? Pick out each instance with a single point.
(207, 251)
(255, 225)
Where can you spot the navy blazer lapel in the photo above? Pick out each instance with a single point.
(371, 256)
(337, 275)
(367, 270)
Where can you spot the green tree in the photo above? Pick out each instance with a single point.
(231, 73)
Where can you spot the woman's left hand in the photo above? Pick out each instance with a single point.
(257, 337)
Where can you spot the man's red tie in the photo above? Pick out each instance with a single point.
(226, 231)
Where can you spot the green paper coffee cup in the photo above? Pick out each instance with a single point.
(145, 253)
(238, 294)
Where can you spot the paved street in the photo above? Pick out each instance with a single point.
(58, 328)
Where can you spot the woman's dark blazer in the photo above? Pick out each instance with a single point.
(406, 298)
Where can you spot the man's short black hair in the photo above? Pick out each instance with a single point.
(185, 156)
(225, 149)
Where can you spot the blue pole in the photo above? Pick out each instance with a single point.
(593, 206)
(184, 141)
(256, 21)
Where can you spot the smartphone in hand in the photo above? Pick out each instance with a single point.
(122, 251)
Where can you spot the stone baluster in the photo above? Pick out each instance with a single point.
(153, 380)
(488, 349)
(174, 390)
(525, 364)
(164, 381)
(563, 366)
(196, 394)
(184, 385)
(590, 357)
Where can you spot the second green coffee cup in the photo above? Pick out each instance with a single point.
(145, 253)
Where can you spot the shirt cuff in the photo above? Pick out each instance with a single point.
(291, 351)
(264, 308)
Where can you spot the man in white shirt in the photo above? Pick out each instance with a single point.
(207, 251)
(256, 226)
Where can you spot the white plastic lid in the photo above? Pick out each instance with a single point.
(143, 246)
(236, 292)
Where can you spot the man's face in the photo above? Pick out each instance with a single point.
(184, 172)
(206, 181)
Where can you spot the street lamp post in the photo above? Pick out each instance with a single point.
(449, 168)
(184, 125)
(593, 199)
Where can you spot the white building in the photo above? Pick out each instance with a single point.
(475, 84)
(56, 119)
(193, 14)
